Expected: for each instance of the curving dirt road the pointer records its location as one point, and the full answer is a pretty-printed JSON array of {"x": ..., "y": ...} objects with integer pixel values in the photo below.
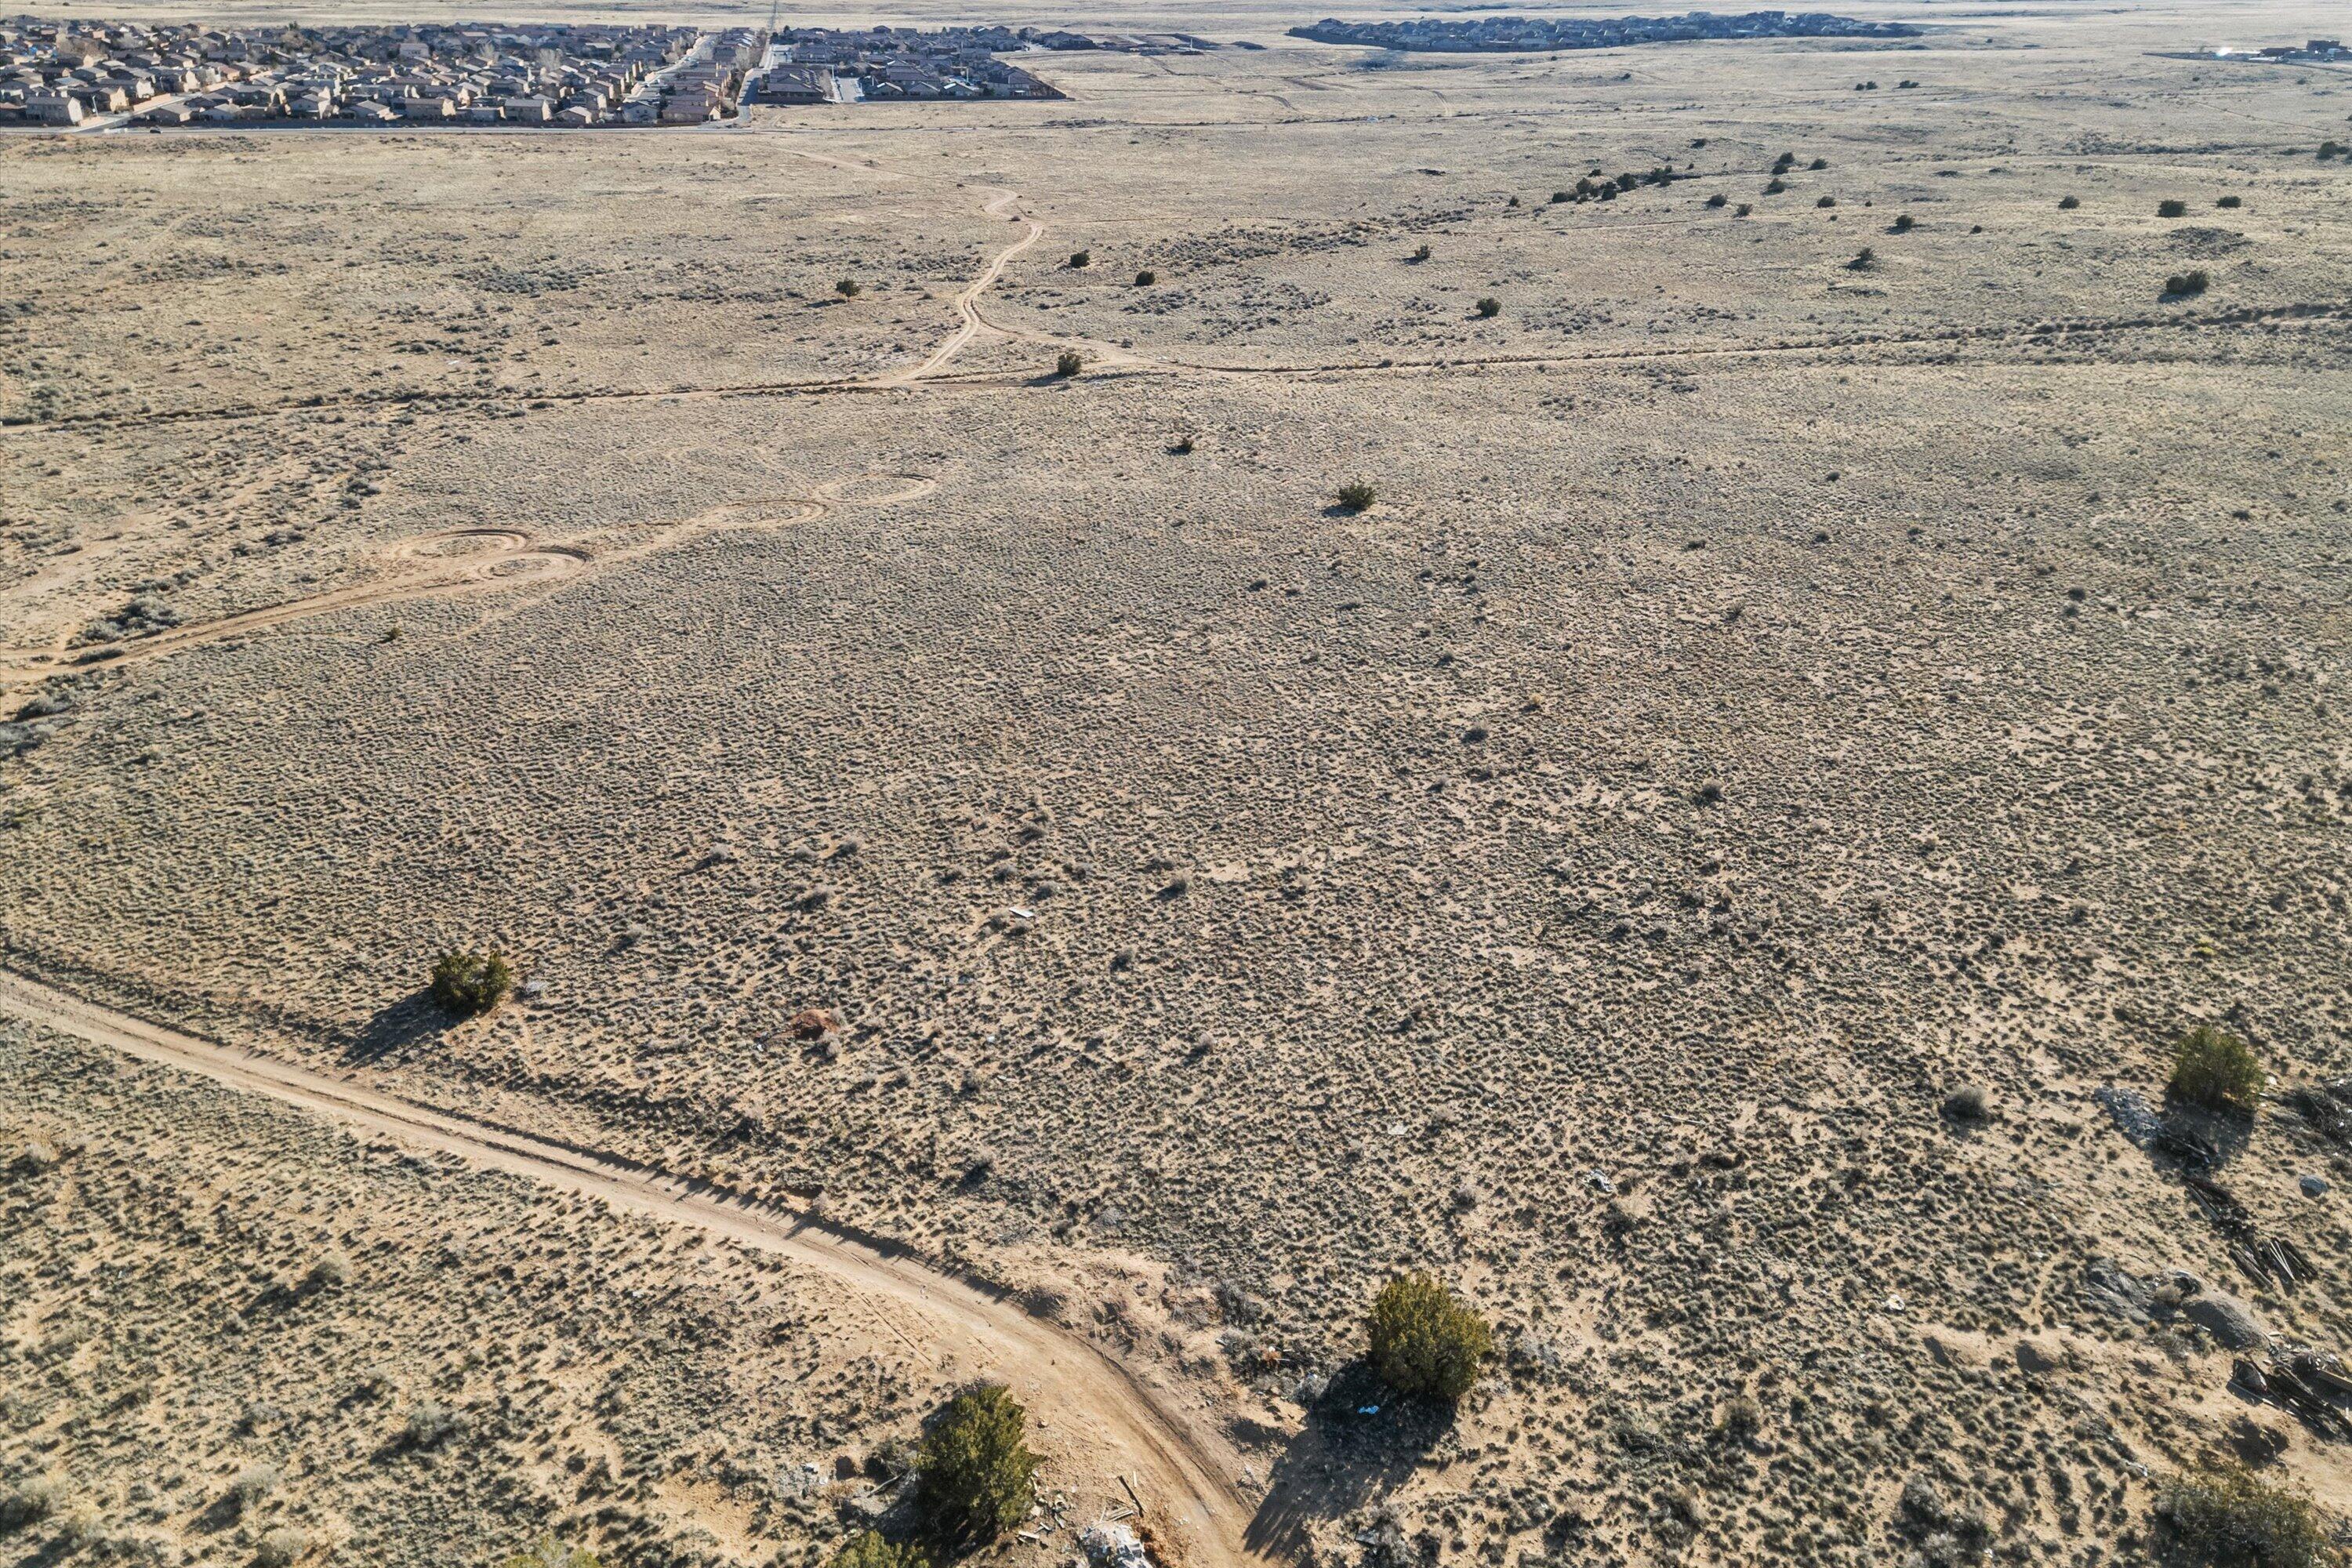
[
  {"x": 1096, "y": 1412},
  {"x": 967, "y": 302},
  {"x": 455, "y": 562},
  {"x": 464, "y": 559}
]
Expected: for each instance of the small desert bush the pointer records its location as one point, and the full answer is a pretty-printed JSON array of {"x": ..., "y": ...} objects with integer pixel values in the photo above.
[
  {"x": 2171, "y": 208},
  {"x": 978, "y": 1476},
  {"x": 2068, "y": 203},
  {"x": 1355, "y": 495},
  {"x": 467, "y": 982},
  {"x": 1490, "y": 307},
  {"x": 250, "y": 1485},
  {"x": 1740, "y": 1419},
  {"x": 1826, "y": 201},
  {"x": 1776, "y": 186},
  {"x": 848, "y": 289},
  {"x": 429, "y": 1425},
  {"x": 1905, "y": 224},
  {"x": 29, "y": 1502},
  {"x": 2231, "y": 202},
  {"x": 2212, "y": 1067},
  {"x": 331, "y": 1272},
  {"x": 2191, "y": 282},
  {"x": 1421, "y": 253},
  {"x": 281, "y": 1548},
  {"x": 550, "y": 1553},
  {"x": 1069, "y": 363},
  {"x": 2227, "y": 1517},
  {"x": 868, "y": 1550},
  {"x": 1715, "y": 200},
  {"x": 1864, "y": 260},
  {"x": 1146, "y": 279},
  {"x": 1082, "y": 258},
  {"x": 1966, "y": 1104},
  {"x": 1425, "y": 1342}
]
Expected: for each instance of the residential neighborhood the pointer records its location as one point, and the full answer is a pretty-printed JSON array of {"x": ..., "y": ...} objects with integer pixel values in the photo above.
[
  {"x": 891, "y": 65},
  {"x": 552, "y": 75},
  {"x": 101, "y": 75},
  {"x": 820, "y": 65}
]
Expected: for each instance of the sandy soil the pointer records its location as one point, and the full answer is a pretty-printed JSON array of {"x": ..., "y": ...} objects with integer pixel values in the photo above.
[{"x": 1765, "y": 695}]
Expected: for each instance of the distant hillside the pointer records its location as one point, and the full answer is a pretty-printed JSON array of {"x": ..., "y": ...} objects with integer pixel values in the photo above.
[{"x": 1515, "y": 33}]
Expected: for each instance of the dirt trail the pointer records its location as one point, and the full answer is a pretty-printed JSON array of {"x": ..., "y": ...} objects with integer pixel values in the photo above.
[
  {"x": 967, "y": 302},
  {"x": 1858, "y": 348},
  {"x": 1094, "y": 1413},
  {"x": 464, "y": 559},
  {"x": 455, "y": 561}
]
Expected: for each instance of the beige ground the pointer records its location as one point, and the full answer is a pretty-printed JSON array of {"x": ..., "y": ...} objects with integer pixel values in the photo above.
[{"x": 1765, "y": 695}]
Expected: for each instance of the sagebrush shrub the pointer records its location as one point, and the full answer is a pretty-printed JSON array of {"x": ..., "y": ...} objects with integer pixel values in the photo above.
[
  {"x": 1355, "y": 495},
  {"x": 31, "y": 1503},
  {"x": 281, "y": 1548},
  {"x": 2225, "y": 1516},
  {"x": 1966, "y": 1104},
  {"x": 429, "y": 1425}
]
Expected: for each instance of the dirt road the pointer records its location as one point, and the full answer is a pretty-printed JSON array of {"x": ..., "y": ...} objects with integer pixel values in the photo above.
[
  {"x": 1003, "y": 203},
  {"x": 458, "y": 560},
  {"x": 1097, "y": 1417},
  {"x": 462, "y": 559}
]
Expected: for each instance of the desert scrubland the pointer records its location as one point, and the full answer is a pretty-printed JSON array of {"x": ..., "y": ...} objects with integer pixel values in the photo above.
[{"x": 1714, "y": 860}]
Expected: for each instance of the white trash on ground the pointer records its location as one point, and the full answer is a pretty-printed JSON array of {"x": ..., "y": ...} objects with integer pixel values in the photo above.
[{"x": 1113, "y": 1546}]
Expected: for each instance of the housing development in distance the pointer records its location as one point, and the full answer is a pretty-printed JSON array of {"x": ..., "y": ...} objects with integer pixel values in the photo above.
[{"x": 556, "y": 75}]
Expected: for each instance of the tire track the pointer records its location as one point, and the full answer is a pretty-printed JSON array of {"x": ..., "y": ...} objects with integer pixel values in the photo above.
[
  {"x": 1101, "y": 1413},
  {"x": 466, "y": 559},
  {"x": 967, "y": 302},
  {"x": 503, "y": 559},
  {"x": 1992, "y": 336}
]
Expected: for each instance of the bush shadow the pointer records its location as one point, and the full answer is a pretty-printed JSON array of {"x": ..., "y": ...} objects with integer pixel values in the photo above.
[
  {"x": 397, "y": 1026},
  {"x": 1360, "y": 1440}
]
